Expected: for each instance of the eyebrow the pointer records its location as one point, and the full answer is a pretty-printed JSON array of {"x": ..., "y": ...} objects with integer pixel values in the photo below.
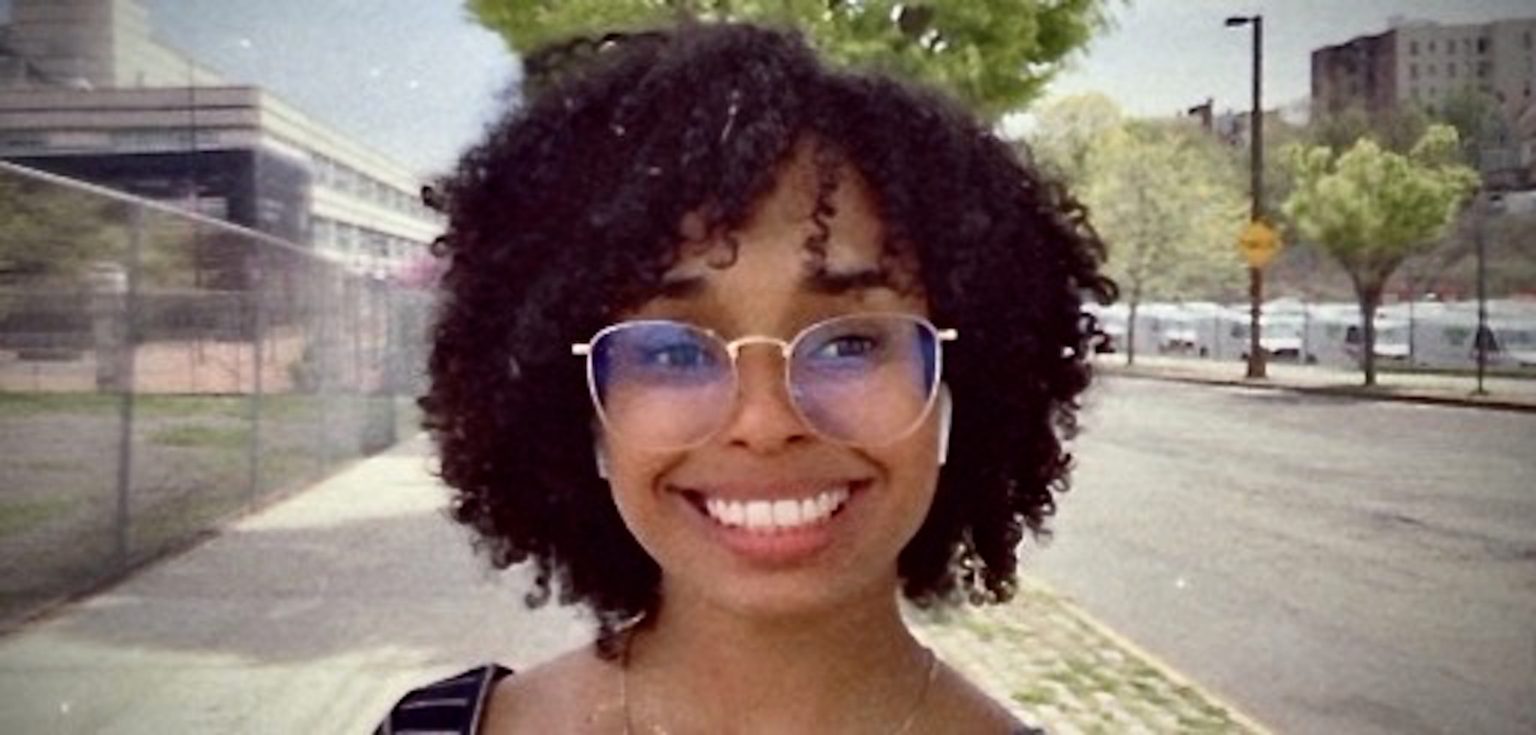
[
  {"x": 819, "y": 281},
  {"x": 829, "y": 283}
]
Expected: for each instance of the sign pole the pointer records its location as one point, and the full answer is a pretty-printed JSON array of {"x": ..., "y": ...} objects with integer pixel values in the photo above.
[
  {"x": 1256, "y": 366},
  {"x": 1256, "y": 141}
]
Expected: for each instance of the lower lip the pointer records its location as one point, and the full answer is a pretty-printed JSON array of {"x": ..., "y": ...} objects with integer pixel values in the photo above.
[{"x": 777, "y": 548}]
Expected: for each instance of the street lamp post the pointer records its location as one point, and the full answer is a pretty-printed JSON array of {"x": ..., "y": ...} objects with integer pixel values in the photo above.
[
  {"x": 1480, "y": 342},
  {"x": 1483, "y": 208},
  {"x": 1256, "y": 162}
]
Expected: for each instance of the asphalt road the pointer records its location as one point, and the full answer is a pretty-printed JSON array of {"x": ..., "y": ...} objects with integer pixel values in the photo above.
[{"x": 1329, "y": 565}]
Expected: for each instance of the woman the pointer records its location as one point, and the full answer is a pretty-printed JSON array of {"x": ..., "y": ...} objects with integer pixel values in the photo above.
[{"x": 734, "y": 347}]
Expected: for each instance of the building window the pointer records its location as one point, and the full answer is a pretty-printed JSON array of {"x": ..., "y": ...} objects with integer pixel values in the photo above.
[
  {"x": 1431, "y": 70},
  {"x": 1431, "y": 46},
  {"x": 1413, "y": 71},
  {"x": 22, "y": 140},
  {"x": 1450, "y": 70},
  {"x": 1413, "y": 48},
  {"x": 1482, "y": 45},
  {"x": 324, "y": 233}
]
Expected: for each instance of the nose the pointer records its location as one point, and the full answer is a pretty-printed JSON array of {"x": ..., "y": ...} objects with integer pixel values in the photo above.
[{"x": 764, "y": 420}]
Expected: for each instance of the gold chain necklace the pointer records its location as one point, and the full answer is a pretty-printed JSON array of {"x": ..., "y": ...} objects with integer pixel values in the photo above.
[{"x": 906, "y": 724}]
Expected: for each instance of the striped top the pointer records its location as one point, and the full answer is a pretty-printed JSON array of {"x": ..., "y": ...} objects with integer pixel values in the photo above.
[{"x": 454, "y": 706}]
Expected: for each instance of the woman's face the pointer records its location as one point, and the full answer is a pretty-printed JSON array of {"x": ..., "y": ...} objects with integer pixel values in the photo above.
[{"x": 677, "y": 502}]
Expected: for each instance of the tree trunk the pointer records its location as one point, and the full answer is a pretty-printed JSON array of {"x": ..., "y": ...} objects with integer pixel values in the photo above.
[
  {"x": 1131, "y": 332},
  {"x": 1369, "y": 297}
]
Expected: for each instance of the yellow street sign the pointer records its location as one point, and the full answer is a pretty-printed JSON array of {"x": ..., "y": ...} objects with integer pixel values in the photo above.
[{"x": 1259, "y": 244}]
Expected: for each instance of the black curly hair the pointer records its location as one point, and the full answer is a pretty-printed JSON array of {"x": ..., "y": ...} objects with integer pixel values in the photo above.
[{"x": 568, "y": 214}]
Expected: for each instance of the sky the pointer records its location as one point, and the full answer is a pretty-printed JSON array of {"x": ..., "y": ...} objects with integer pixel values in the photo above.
[
  {"x": 417, "y": 80},
  {"x": 1163, "y": 56}
]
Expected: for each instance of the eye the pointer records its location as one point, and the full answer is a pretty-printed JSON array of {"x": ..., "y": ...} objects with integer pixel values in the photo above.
[
  {"x": 680, "y": 355},
  {"x": 849, "y": 346}
]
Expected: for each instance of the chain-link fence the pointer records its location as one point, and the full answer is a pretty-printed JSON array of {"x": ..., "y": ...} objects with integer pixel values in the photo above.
[{"x": 160, "y": 372}]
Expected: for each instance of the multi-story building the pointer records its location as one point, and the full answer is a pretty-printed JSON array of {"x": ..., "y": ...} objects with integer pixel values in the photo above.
[
  {"x": 1426, "y": 64},
  {"x": 85, "y": 91}
]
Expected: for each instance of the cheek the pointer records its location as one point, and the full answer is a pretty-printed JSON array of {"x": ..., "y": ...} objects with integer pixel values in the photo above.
[
  {"x": 633, "y": 478},
  {"x": 913, "y": 465}
]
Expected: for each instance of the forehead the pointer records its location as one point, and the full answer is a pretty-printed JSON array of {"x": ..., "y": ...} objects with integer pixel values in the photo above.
[{"x": 819, "y": 215}]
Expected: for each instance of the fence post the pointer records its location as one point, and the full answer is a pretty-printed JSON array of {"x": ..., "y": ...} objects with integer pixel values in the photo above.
[
  {"x": 255, "y": 288},
  {"x": 322, "y": 321},
  {"x": 124, "y": 356}
]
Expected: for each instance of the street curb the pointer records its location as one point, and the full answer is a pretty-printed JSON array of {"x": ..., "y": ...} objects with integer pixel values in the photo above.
[
  {"x": 1335, "y": 390},
  {"x": 1163, "y": 668}
]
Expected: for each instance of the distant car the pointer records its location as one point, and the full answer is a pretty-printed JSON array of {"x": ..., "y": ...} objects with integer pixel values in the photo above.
[
  {"x": 1388, "y": 350},
  {"x": 1179, "y": 341}
]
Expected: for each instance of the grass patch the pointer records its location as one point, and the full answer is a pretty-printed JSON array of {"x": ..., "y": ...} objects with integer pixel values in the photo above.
[
  {"x": 179, "y": 406},
  {"x": 1035, "y": 696},
  {"x": 1494, "y": 371},
  {"x": 285, "y": 469},
  {"x": 174, "y": 521},
  {"x": 27, "y": 405},
  {"x": 20, "y": 404},
  {"x": 195, "y": 435},
  {"x": 986, "y": 633},
  {"x": 19, "y": 515},
  {"x": 291, "y": 406},
  {"x": 47, "y": 465}
]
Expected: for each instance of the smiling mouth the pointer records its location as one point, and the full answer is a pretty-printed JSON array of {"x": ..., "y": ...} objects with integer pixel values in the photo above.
[{"x": 773, "y": 516}]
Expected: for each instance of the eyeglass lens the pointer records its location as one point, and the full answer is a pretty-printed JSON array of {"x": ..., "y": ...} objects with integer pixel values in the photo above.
[{"x": 861, "y": 379}]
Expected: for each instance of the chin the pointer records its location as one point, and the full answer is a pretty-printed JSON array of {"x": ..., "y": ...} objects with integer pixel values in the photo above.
[{"x": 790, "y": 597}]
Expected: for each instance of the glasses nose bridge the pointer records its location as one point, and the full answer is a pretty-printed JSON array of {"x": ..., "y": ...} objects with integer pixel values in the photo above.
[
  {"x": 733, "y": 347},
  {"x": 772, "y": 375}
]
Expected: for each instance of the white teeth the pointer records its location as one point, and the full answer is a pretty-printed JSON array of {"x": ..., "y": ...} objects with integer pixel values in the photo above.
[
  {"x": 776, "y": 515},
  {"x": 759, "y": 515},
  {"x": 786, "y": 513},
  {"x": 735, "y": 513}
]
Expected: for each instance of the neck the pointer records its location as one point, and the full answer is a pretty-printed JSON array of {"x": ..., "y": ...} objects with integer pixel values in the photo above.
[{"x": 843, "y": 669}]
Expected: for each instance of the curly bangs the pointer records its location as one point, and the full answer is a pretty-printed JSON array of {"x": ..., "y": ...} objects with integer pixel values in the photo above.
[{"x": 569, "y": 213}]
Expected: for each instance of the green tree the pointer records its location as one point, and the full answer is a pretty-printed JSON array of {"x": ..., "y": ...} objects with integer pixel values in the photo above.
[
  {"x": 48, "y": 233},
  {"x": 996, "y": 55},
  {"x": 1167, "y": 199},
  {"x": 1069, "y": 129},
  {"x": 1396, "y": 129},
  {"x": 1371, "y": 208},
  {"x": 1479, "y": 121},
  {"x": 55, "y": 237}
]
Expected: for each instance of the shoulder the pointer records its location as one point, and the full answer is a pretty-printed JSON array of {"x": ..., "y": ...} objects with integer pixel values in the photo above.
[
  {"x": 451, "y": 705},
  {"x": 572, "y": 693}
]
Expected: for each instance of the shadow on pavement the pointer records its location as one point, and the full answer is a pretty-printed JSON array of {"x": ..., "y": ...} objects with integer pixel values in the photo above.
[{"x": 329, "y": 604}]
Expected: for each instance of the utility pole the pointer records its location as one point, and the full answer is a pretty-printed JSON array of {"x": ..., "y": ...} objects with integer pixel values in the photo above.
[
  {"x": 1483, "y": 341},
  {"x": 1256, "y": 162}
]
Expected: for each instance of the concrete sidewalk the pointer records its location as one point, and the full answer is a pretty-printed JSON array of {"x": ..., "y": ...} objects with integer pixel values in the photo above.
[
  {"x": 314, "y": 614},
  {"x": 1501, "y": 391}
]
